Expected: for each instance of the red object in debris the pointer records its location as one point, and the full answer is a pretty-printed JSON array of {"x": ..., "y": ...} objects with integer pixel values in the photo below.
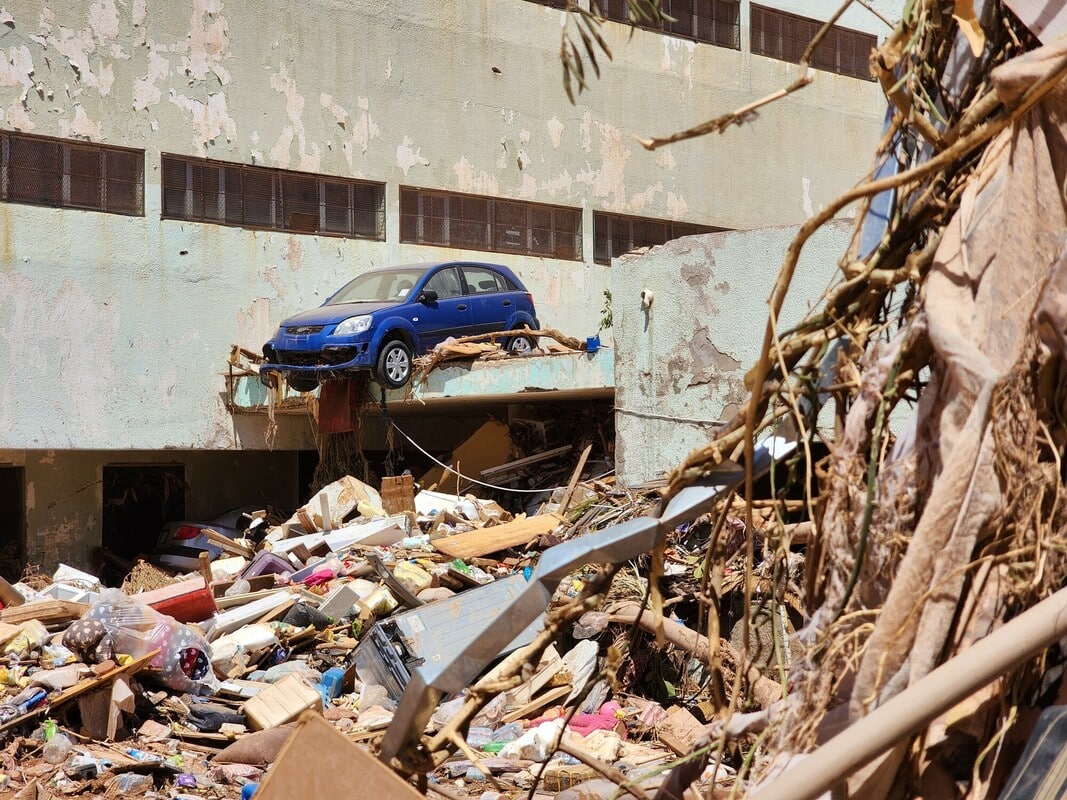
[
  {"x": 187, "y": 532},
  {"x": 188, "y": 601}
]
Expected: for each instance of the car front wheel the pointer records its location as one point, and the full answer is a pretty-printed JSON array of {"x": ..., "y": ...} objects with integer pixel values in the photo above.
[
  {"x": 302, "y": 384},
  {"x": 394, "y": 364}
]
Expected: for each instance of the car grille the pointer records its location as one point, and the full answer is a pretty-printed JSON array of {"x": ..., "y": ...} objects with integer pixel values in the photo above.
[
  {"x": 303, "y": 330},
  {"x": 327, "y": 358}
]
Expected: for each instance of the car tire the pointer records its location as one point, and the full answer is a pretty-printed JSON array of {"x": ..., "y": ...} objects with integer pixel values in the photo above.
[
  {"x": 394, "y": 364},
  {"x": 522, "y": 345},
  {"x": 302, "y": 384}
]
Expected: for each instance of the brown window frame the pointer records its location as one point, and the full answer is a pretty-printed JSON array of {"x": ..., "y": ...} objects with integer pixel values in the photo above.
[
  {"x": 608, "y": 226},
  {"x": 489, "y": 224},
  {"x": 714, "y": 22},
  {"x": 784, "y": 36},
  {"x": 71, "y": 173},
  {"x": 265, "y": 198},
  {"x": 560, "y": 4}
]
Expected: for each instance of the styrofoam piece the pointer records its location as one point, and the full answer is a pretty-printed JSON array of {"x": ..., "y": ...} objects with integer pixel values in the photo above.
[
  {"x": 430, "y": 503},
  {"x": 75, "y": 577},
  {"x": 230, "y": 620},
  {"x": 64, "y": 591},
  {"x": 339, "y": 602},
  {"x": 384, "y": 531},
  {"x": 309, "y": 540}
]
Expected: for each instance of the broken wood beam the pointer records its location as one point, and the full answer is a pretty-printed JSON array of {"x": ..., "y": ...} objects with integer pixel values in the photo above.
[
  {"x": 522, "y": 463},
  {"x": 566, "y": 501},
  {"x": 499, "y": 537}
]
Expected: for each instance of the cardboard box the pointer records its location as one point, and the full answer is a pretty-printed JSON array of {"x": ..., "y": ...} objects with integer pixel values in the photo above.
[{"x": 282, "y": 702}]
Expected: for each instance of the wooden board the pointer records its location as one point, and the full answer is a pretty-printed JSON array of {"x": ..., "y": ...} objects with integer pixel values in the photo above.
[
  {"x": 486, "y": 448},
  {"x": 49, "y": 612},
  {"x": 500, "y": 537},
  {"x": 318, "y": 761}
]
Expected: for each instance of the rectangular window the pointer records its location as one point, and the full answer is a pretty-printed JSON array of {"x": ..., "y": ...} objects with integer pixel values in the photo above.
[
  {"x": 551, "y": 3},
  {"x": 202, "y": 190},
  {"x": 67, "y": 173},
  {"x": 777, "y": 34},
  {"x": 473, "y": 222},
  {"x": 616, "y": 234},
  {"x": 715, "y": 22}
]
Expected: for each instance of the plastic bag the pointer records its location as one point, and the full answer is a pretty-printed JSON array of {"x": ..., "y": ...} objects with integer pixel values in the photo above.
[{"x": 183, "y": 661}]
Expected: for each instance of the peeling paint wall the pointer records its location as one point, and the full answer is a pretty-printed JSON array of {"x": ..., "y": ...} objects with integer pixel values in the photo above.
[
  {"x": 123, "y": 324},
  {"x": 64, "y": 492},
  {"x": 680, "y": 363}
]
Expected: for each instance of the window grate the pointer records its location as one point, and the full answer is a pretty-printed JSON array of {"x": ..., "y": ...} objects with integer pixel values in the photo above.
[
  {"x": 219, "y": 192},
  {"x": 65, "y": 173},
  {"x": 474, "y": 222},
  {"x": 716, "y": 22},
  {"x": 617, "y": 234},
  {"x": 784, "y": 36}
]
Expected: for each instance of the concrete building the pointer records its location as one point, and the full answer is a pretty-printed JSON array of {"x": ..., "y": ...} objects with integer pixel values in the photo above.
[{"x": 177, "y": 177}]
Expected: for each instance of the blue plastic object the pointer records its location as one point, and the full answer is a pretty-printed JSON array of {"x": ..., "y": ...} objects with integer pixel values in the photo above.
[
  {"x": 248, "y": 790},
  {"x": 330, "y": 685},
  {"x": 592, "y": 344}
]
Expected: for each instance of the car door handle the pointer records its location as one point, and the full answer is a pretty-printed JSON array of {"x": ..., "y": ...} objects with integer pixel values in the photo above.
[
  {"x": 507, "y": 303},
  {"x": 461, "y": 307}
]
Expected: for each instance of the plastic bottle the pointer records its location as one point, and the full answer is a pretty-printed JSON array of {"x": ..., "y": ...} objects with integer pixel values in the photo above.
[
  {"x": 132, "y": 783},
  {"x": 57, "y": 749}
]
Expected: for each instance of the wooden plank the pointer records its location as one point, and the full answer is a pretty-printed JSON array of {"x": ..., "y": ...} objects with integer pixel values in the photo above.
[
  {"x": 227, "y": 545},
  {"x": 522, "y": 712},
  {"x": 89, "y": 684},
  {"x": 318, "y": 761},
  {"x": 49, "y": 612},
  {"x": 522, "y": 463},
  {"x": 566, "y": 501},
  {"x": 500, "y": 537}
]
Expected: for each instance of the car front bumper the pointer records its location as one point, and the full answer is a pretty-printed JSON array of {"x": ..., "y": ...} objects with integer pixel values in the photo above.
[{"x": 329, "y": 362}]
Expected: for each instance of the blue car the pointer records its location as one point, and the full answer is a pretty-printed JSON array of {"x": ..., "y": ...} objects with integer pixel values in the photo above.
[{"x": 385, "y": 317}]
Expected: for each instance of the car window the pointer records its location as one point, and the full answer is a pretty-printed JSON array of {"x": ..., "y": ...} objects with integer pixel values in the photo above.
[
  {"x": 482, "y": 280},
  {"x": 383, "y": 285},
  {"x": 446, "y": 283}
]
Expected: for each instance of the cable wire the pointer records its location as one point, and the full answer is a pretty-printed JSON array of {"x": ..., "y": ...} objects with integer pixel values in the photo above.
[{"x": 467, "y": 477}]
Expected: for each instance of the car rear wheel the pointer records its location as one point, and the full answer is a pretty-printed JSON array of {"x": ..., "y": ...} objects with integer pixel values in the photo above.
[
  {"x": 302, "y": 384},
  {"x": 520, "y": 344},
  {"x": 394, "y": 364}
]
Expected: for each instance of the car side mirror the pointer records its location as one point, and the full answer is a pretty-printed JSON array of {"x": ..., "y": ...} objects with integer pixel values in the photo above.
[{"x": 428, "y": 296}]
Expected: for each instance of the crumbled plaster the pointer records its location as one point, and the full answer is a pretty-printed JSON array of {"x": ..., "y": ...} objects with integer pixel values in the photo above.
[
  {"x": 559, "y": 185},
  {"x": 677, "y": 207},
  {"x": 696, "y": 361},
  {"x": 474, "y": 181},
  {"x": 275, "y": 281},
  {"x": 255, "y": 326},
  {"x": 805, "y": 198},
  {"x": 208, "y": 44},
  {"x": 555, "y": 131},
  {"x": 608, "y": 180},
  {"x": 210, "y": 120},
  {"x": 104, "y": 20},
  {"x": 16, "y": 68},
  {"x": 665, "y": 159},
  {"x": 293, "y": 253},
  {"x": 586, "y": 131},
  {"x": 15, "y": 116},
  {"x": 641, "y": 200},
  {"x": 145, "y": 91},
  {"x": 407, "y": 157},
  {"x": 138, "y": 12},
  {"x": 6, "y": 18},
  {"x": 310, "y": 157},
  {"x": 81, "y": 125}
]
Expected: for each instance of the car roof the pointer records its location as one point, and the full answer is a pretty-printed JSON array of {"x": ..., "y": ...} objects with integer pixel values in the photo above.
[{"x": 428, "y": 265}]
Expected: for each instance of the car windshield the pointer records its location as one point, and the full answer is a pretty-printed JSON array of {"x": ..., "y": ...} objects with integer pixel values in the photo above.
[{"x": 387, "y": 286}]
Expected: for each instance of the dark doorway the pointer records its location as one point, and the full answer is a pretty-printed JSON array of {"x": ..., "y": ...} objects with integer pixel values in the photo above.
[
  {"x": 13, "y": 516},
  {"x": 139, "y": 499}
]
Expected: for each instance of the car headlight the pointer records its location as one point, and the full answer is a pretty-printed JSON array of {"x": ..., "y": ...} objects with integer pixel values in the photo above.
[{"x": 353, "y": 325}]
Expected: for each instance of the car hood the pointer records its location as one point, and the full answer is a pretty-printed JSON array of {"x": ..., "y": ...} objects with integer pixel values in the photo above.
[{"x": 324, "y": 315}]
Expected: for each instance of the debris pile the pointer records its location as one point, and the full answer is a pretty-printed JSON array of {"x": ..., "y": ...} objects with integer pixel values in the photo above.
[{"x": 190, "y": 685}]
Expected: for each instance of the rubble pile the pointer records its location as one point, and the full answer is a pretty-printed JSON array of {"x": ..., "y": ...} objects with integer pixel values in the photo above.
[{"x": 192, "y": 685}]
